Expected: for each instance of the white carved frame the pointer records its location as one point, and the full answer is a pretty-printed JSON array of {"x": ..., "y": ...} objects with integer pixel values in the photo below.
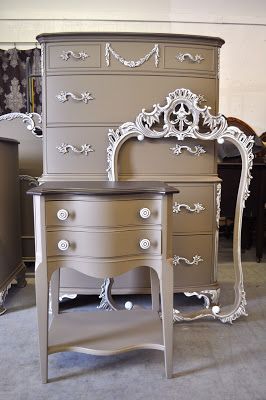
[{"x": 182, "y": 123}]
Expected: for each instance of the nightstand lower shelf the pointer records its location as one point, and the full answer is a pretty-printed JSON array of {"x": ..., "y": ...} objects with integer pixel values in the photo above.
[{"x": 105, "y": 333}]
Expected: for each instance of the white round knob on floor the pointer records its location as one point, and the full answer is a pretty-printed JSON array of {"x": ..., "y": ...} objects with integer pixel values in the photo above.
[
  {"x": 145, "y": 212},
  {"x": 62, "y": 214},
  {"x": 145, "y": 244},
  {"x": 63, "y": 245}
]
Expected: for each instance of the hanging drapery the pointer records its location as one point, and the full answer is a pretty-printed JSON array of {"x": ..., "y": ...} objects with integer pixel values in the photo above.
[{"x": 20, "y": 83}]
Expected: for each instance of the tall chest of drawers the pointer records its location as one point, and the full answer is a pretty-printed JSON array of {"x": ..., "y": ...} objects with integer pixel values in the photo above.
[{"x": 94, "y": 82}]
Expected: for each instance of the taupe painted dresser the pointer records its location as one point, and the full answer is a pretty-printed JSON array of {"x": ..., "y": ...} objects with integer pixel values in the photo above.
[
  {"x": 11, "y": 265},
  {"x": 93, "y": 82}
]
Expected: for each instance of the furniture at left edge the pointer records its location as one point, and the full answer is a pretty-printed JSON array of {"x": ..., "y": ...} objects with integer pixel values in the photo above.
[{"x": 11, "y": 264}]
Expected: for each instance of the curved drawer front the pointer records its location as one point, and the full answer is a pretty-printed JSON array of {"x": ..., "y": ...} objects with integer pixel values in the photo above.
[
  {"x": 73, "y": 55},
  {"x": 115, "y": 98},
  {"x": 167, "y": 157},
  {"x": 131, "y": 56},
  {"x": 103, "y": 213},
  {"x": 193, "y": 260},
  {"x": 103, "y": 244},
  {"x": 193, "y": 208},
  {"x": 190, "y": 59}
]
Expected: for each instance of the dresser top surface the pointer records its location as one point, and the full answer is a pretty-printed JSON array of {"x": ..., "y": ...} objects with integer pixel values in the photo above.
[
  {"x": 103, "y": 188},
  {"x": 131, "y": 36}
]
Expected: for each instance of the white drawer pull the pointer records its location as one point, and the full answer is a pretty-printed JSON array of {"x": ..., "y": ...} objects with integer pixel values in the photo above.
[
  {"x": 198, "y": 150},
  {"x": 145, "y": 244},
  {"x": 197, "y": 208},
  {"x": 84, "y": 97},
  {"x": 62, "y": 214},
  {"x": 145, "y": 212},
  {"x": 195, "y": 260},
  {"x": 79, "y": 56},
  {"x": 189, "y": 57},
  {"x": 63, "y": 245}
]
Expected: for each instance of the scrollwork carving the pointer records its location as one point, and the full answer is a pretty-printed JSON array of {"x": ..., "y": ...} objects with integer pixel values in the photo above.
[
  {"x": 195, "y": 260},
  {"x": 69, "y": 53},
  {"x": 181, "y": 57},
  {"x": 29, "y": 119},
  {"x": 197, "y": 208},
  {"x": 85, "y": 149},
  {"x": 198, "y": 150},
  {"x": 131, "y": 63},
  {"x": 64, "y": 96}
]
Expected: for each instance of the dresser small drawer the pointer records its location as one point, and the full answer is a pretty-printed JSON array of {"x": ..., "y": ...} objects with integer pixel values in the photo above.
[
  {"x": 200, "y": 60},
  {"x": 87, "y": 99},
  {"x": 193, "y": 208},
  {"x": 193, "y": 260},
  {"x": 72, "y": 150},
  {"x": 105, "y": 213},
  {"x": 117, "y": 243},
  {"x": 73, "y": 55}
]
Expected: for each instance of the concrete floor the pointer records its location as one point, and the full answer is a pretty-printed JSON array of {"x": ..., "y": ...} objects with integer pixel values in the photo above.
[{"x": 211, "y": 360}]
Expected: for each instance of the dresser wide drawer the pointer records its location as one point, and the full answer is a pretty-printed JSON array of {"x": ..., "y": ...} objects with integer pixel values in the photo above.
[
  {"x": 193, "y": 260},
  {"x": 103, "y": 213},
  {"x": 194, "y": 208},
  {"x": 84, "y": 99},
  {"x": 66, "y": 153},
  {"x": 117, "y": 243}
]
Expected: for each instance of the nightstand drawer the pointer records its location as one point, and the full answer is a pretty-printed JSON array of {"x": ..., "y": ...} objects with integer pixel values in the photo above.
[
  {"x": 190, "y": 59},
  {"x": 105, "y": 213},
  {"x": 193, "y": 260},
  {"x": 72, "y": 55},
  {"x": 103, "y": 243}
]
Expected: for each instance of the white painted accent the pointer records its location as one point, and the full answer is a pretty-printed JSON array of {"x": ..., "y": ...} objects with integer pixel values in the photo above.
[
  {"x": 145, "y": 244},
  {"x": 62, "y": 214},
  {"x": 63, "y": 245},
  {"x": 145, "y": 213}
]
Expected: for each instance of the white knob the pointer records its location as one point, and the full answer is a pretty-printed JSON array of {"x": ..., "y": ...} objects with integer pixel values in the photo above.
[
  {"x": 62, "y": 214},
  {"x": 145, "y": 244},
  {"x": 145, "y": 213},
  {"x": 63, "y": 245}
]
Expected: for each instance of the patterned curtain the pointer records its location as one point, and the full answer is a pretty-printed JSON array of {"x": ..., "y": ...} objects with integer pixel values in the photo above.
[{"x": 20, "y": 82}]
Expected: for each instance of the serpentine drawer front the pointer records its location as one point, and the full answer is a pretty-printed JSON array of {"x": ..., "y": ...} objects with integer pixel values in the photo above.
[{"x": 95, "y": 82}]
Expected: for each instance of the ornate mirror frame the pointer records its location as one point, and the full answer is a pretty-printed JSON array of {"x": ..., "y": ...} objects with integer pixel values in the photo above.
[{"x": 181, "y": 117}]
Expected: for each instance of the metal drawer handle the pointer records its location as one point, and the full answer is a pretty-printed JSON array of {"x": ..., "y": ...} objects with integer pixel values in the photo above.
[
  {"x": 64, "y": 96},
  {"x": 65, "y": 147},
  {"x": 195, "y": 260},
  {"x": 69, "y": 53},
  {"x": 198, "y": 150},
  {"x": 145, "y": 244},
  {"x": 145, "y": 213},
  {"x": 197, "y": 208},
  {"x": 63, "y": 245},
  {"x": 62, "y": 214},
  {"x": 189, "y": 57}
]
